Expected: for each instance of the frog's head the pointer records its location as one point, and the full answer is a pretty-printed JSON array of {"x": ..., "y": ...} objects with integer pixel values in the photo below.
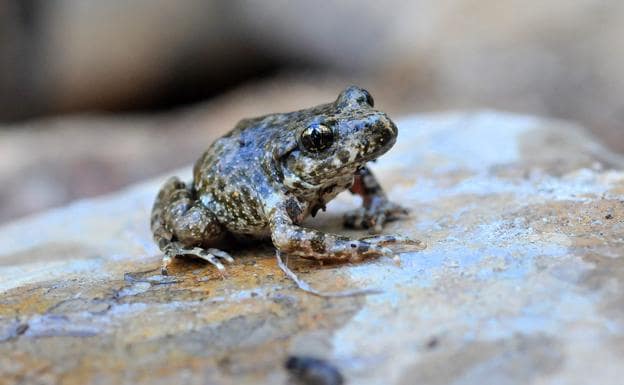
[{"x": 332, "y": 140}]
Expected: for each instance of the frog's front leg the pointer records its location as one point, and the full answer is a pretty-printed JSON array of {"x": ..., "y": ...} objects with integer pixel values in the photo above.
[
  {"x": 293, "y": 239},
  {"x": 181, "y": 225},
  {"x": 376, "y": 209}
]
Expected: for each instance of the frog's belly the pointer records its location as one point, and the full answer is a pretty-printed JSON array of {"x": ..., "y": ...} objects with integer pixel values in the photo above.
[
  {"x": 249, "y": 230},
  {"x": 237, "y": 215}
]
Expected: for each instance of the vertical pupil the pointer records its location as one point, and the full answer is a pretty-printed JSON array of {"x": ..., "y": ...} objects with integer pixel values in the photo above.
[{"x": 316, "y": 137}]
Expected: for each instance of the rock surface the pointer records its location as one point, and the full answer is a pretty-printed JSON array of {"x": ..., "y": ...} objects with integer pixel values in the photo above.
[{"x": 522, "y": 280}]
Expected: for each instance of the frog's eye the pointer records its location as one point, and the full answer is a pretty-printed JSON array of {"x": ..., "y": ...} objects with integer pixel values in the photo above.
[
  {"x": 317, "y": 137},
  {"x": 353, "y": 97}
]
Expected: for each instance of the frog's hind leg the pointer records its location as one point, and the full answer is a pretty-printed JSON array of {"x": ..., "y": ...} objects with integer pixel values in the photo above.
[{"x": 181, "y": 224}]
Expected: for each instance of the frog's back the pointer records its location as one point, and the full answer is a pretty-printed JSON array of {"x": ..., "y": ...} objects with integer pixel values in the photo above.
[{"x": 229, "y": 178}]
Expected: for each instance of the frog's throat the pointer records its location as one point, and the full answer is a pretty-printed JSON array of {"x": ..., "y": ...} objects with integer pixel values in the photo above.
[{"x": 293, "y": 182}]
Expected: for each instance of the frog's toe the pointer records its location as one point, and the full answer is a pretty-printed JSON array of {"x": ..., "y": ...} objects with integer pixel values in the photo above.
[
  {"x": 213, "y": 260},
  {"x": 384, "y": 214},
  {"x": 377, "y": 221},
  {"x": 374, "y": 218},
  {"x": 361, "y": 218},
  {"x": 164, "y": 267},
  {"x": 221, "y": 254},
  {"x": 384, "y": 240},
  {"x": 399, "y": 243},
  {"x": 392, "y": 211},
  {"x": 212, "y": 256},
  {"x": 386, "y": 252},
  {"x": 354, "y": 219}
]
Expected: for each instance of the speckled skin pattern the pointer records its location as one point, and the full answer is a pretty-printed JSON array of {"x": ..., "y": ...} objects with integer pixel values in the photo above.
[{"x": 268, "y": 174}]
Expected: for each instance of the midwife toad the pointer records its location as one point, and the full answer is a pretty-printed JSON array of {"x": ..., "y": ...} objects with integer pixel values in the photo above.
[{"x": 269, "y": 173}]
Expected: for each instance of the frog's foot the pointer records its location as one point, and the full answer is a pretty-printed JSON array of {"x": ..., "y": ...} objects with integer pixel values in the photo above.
[
  {"x": 404, "y": 243},
  {"x": 210, "y": 255},
  {"x": 373, "y": 218}
]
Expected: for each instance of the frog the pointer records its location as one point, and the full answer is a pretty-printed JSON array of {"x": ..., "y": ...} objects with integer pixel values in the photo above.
[{"x": 269, "y": 173}]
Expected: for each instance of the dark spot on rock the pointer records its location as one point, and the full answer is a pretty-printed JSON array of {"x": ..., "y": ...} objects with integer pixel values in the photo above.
[
  {"x": 608, "y": 216},
  {"x": 313, "y": 371},
  {"x": 433, "y": 343},
  {"x": 21, "y": 329}
]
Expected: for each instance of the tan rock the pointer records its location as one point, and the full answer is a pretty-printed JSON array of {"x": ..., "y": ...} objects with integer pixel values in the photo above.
[{"x": 520, "y": 283}]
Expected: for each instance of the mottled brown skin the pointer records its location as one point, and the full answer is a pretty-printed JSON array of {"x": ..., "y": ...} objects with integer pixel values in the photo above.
[{"x": 269, "y": 173}]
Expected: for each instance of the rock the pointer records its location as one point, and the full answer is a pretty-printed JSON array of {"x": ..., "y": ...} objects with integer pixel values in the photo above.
[{"x": 520, "y": 283}]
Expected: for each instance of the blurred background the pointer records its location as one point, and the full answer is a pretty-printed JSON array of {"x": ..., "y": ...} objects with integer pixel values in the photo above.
[{"x": 95, "y": 95}]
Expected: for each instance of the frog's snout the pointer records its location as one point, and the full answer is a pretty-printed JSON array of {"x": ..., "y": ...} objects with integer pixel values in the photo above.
[
  {"x": 377, "y": 138},
  {"x": 392, "y": 130},
  {"x": 384, "y": 134}
]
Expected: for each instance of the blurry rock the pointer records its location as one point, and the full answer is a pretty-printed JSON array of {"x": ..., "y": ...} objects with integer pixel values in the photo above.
[
  {"x": 73, "y": 55},
  {"x": 519, "y": 283},
  {"x": 559, "y": 58}
]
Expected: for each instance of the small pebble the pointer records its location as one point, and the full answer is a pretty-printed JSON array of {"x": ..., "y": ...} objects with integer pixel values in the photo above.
[
  {"x": 433, "y": 342},
  {"x": 313, "y": 371}
]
